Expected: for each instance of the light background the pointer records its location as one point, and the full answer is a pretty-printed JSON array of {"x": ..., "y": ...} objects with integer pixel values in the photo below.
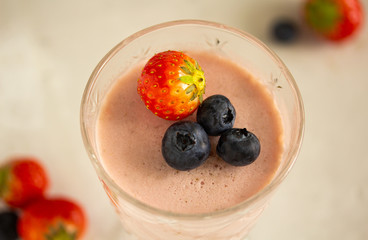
[{"x": 49, "y": 48}]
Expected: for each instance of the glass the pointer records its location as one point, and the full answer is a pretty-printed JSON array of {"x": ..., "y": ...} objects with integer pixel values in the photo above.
[{"x": 142, "y": 221}]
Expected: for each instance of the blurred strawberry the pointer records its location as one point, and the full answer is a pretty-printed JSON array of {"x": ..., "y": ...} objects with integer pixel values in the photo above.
[
  {"x": 52, "y": 219},
  {"x": 334, "y": 19},
  {"x": 22, "y": 180}
]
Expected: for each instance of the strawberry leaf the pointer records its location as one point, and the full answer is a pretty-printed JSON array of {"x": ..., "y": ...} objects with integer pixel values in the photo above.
[
  {"x": 4, "y": 177},
  {"x": 322, "y": 14},
  {"x": 193, "y": 96},
  {"x": 186, "y": 70},
  {"x": 189, "y": 66},
  {"x": 186, "y": 79},
  {"x": 60, "y": 233},
  {"x": 190, "y": 89},
  {"x": 200, "y": 98},
  {"x": 197, "y": 66}
]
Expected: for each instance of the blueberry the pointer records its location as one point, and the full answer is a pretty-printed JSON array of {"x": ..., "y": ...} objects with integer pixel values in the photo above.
[
  {"x": 216, "y": 114},
  {"x": 285, "y": 31},
  {"x": 238, "y": 147},
  {"x": 8, "y": 225},
  {"x": 185, "y": 145}
]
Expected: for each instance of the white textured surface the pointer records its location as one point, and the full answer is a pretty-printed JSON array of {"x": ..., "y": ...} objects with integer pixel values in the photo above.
[{"x": 49, "y": 48}]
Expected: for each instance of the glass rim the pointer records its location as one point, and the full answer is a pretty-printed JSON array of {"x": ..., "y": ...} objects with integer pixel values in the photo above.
[{"x": 270, "y": 187}]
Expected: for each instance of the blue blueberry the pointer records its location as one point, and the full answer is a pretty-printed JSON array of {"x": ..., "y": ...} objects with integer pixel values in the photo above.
[
  {"x": 185, "y": 145},
  {"x": 8, "y": 225},
  {"x": 238, "y": 147},
  {"x": 216, "y": 114},
  {"x": 285, "y": 31}
]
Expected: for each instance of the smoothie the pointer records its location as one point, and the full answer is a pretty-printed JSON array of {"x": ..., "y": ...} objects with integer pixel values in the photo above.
[{"x": 129, "y": 143}]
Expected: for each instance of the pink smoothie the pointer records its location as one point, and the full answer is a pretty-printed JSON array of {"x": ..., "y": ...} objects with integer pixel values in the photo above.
[{"x": 129, "y": 143}]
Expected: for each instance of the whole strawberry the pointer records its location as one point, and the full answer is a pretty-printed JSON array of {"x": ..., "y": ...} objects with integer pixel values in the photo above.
[
  {"x": 171, "y": 85},
  {"x": 334, "y": 20},
  {"x": 52, "y": 219},
  {"x": 22, "y": 180}
]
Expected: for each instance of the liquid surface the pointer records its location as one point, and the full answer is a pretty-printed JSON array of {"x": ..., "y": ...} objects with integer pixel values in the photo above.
[{"x": 129, "y": 142}]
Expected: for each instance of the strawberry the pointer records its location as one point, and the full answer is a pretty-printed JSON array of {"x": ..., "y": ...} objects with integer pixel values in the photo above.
[
  {"x": 334, "y": 20},
  {"x": 22, "y": 180},
  {"x": 52, "y": 219},
  {"x": 171, "y": 85}
]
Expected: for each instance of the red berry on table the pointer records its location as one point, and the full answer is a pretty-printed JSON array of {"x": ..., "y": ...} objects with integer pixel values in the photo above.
[
  {"x": 52, "y": 219},
  {"x": 22, "y": 180},
  {"x": 171, "y": 85},
  {"x": 334, "y": 20}
]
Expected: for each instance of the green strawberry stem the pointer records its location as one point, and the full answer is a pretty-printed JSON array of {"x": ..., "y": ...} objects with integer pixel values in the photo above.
[
  {"x": 60, "y": 233},
  {"x": 194, "y": 77},
  {"x": 4, "y": 178},
  {"x": 323, "y": 15}
]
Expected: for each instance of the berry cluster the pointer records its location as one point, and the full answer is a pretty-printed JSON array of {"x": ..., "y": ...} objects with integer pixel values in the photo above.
[
  {"x": 30, "y": 214},
  {"x": 186, "y": 144},
  {"x": 332, "y": 20},
  {"x": 171, "y": 86}
]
